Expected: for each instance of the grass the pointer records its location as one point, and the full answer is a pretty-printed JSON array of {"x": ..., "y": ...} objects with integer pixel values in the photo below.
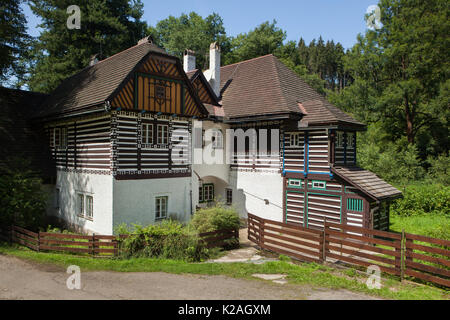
[
  {"x": 305, "y": 274},
  {"x": 431, "y": 225}
]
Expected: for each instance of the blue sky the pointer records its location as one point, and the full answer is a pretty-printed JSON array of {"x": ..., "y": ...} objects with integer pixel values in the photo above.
[{"x": 338, "y": 20}]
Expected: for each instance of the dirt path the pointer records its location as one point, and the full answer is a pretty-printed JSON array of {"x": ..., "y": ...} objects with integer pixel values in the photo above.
[{"x": 24, "y": 280}]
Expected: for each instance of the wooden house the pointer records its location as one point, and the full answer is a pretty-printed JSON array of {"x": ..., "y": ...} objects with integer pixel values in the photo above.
[{"x": 128, "y": 137}]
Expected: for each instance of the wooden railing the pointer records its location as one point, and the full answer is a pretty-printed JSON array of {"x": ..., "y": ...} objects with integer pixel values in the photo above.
[
  {"x": 400, "y": 254},
  {"x": 97, "y": 245}
]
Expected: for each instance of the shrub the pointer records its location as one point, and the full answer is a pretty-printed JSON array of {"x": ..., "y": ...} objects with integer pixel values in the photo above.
[
  {"x": 215, "y": 218},
  {"x": 439, "y": 170},
  {"x": 423, "y": 199},
  {"x": 22, "y": 201},
  {"x": 167, "y": 240}
]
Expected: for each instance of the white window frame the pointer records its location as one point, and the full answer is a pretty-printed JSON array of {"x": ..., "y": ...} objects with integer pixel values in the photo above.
[
  {"x": 163, "y": 135},
  {"x": 208, "y": 190},
  {"x": 147, "y": 134},
  {"x": 217, "y": 139},
  {"x": 319, "y": 184},
  {"x": 295, "y": 140},
  {"x": 295, "y": 183},
  {"x": 159, "y": 200},
  {"x": 85, "y": 207}
]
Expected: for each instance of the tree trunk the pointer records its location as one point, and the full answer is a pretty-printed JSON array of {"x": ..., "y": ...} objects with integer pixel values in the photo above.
[{"x": 409, "y": 122}]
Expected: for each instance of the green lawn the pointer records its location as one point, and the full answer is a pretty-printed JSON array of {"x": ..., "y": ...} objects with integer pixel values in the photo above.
[
  {"x": 305, "y": 273},
  {"x": 431, "y": 225}
]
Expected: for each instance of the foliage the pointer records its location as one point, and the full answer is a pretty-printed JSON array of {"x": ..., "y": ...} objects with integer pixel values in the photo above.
[
  {"x": 167, "y": 240},
  {"x": 264, "y": 39},
  {"x": 107, "y": 27},
  {"x": 193, "y": 32},
  {"x": 22, "y": 201},
  {"x": 430, "y": 225},
  {"x": 394, "y": 162},
  {"x": 215, "y": 218},
  {"x": 423, "y": 199},
  {"x": 439, "y": 170},
  {"x": 13, "y": 40}
]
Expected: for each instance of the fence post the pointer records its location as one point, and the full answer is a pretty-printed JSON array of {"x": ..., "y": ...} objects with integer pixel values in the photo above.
[
  {"x": 12, "y": 235},
  {"x": 39, "y": 241},
  {"x": 324, "y": 244},
  {"x": 402, "y": 255},
  {"x": 93, "y": 244},
  {"x": 261, "y": 233}
]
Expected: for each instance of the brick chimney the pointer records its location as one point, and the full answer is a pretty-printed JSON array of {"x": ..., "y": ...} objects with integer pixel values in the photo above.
[{"x": 188, "y": 60}]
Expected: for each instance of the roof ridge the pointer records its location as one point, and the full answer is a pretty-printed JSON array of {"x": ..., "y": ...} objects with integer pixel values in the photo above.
[{"x": 236, "y": 63}]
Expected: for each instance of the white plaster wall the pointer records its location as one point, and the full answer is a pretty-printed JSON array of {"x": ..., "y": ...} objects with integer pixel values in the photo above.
[
  {"x": 97, "y": 185},
  {"x": 251, "y": 188},
  {"x": 134, "y": 200},
  {"x": 204, "y": 167}
]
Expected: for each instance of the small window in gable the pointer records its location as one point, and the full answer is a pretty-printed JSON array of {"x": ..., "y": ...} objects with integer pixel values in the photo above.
[
  {"x": 318, "y": 184},
  {"x": 160, "y": 92}
]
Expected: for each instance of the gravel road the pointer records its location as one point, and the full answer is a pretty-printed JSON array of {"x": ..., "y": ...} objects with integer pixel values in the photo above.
[{"x": 21, "y": 279}]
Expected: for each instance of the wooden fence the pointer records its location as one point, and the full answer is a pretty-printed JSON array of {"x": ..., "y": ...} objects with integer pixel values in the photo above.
[
  {"x": 400, "y": 254},
  {"x": 95, "y": 245}
]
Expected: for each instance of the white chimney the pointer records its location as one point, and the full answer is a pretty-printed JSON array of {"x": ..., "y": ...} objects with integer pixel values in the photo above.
[
  {"x": 214, "y": 67},
  {"x": 188, "y": 60}
]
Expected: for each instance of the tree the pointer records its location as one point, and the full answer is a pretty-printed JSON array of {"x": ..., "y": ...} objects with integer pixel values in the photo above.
[
  {"x": 107, "y": 27},
  {"x": 13, "y": 41},
  {"x": 191, "y": 32},
  {"x": 263, "y": 40}
]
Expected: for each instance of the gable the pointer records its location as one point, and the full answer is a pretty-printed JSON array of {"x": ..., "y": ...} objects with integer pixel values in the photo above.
[
  {"x": 203, "y": 89},
  {"x": 158, "y": 85}
]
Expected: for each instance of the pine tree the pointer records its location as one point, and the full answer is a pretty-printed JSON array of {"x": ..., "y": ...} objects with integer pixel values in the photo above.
[{"x": 107, "y": 27}]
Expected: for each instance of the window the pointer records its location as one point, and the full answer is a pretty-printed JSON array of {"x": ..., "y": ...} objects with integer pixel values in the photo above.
[
  {"x": 296, "y": 139},
  {"x": 295, "y": 183},
  {"x": 208, "y": 192},
  {"x": 161, "y": 207},
  {"x": 163, "y": 137},
  {"x": 85, "y": 206},
  {"x": 354, "y": 204},
  {"x": 147, "y": 134},
  {"x": 160, "y": 92},
  {"x": 350, "y": 140},
  {"x": 59, "y": 138},
  {"x": 80, "y": 206},
  {"x": 217, "y": 139},
  {"x": 200, "y": 194},
  {"x": 57, "y": 192},
  {"x": 340, "y": 139},
  {"x": 321, "y": 185},
  {"x": 89, "y": 207},
  {"x": 229, "y": 196}
]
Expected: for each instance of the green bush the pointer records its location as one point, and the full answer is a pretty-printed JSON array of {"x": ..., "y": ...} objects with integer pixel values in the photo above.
[
  {"x": 22, "y": 201},
  {"x": 167, "y": 240},
  {"x": 422, "y": 200},
  {"x": 215, "y": 218},
  {"x": 439, "y": 170}
]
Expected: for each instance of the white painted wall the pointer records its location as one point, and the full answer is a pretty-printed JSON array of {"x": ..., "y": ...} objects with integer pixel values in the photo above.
[
  {"x": 98, "y": 186},
  {"x": 251, "y": 188},
  {"x": 134, "y": 200}
]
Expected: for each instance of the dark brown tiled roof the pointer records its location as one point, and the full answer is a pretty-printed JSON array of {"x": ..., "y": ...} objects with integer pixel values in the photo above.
[
  {"x": 18, "y": 136},
  {"x": 264, "y": 85},
  {"x": 367, "y": 182},
  {"x": 94, "y": 84}
]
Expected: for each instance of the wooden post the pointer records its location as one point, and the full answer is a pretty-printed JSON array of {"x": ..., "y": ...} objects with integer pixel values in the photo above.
[
  {"x": 93, "y": 244},
  {"x": 324, "y": 248},
  {"x": 402, "y": 255},
  {"x": 261, "y": 233},
  {"x": 39, "y": 241}
]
